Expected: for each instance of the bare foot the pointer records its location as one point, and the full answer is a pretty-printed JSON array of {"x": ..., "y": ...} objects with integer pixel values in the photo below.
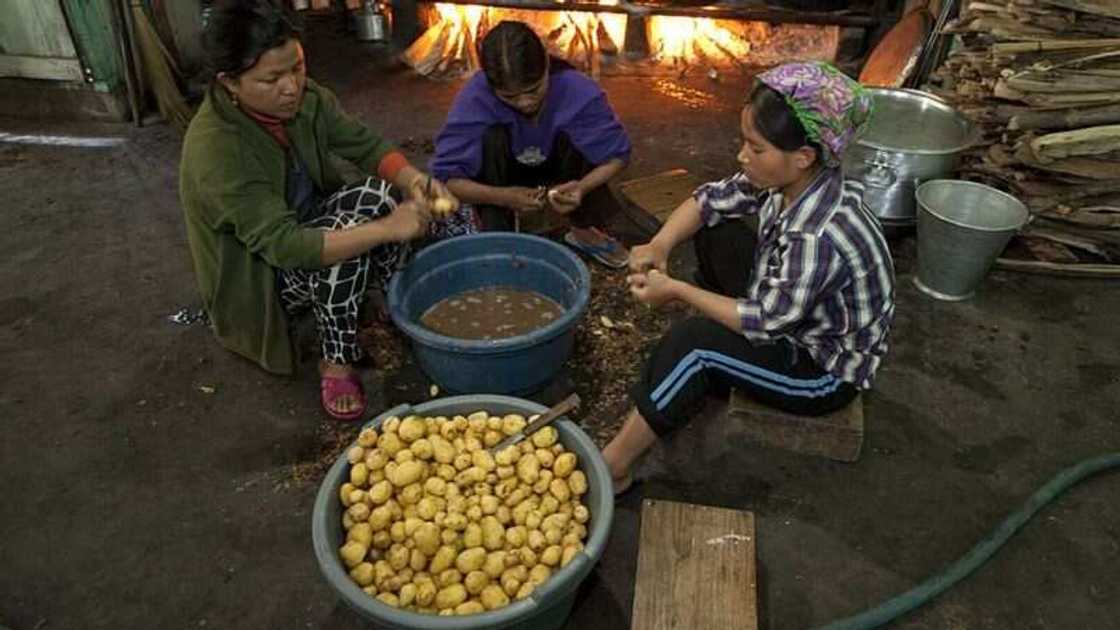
[{"x": 634, "y": 438}]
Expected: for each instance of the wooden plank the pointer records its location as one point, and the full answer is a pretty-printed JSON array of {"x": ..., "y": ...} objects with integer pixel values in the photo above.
[
  {"x": 49, "y": 68},
  {"x": 660, "y": 194},
  {"x": 696, "y": 569},
  {"x": 97, "y": 41},
  {"x": 36, "y": 28},
  {"x": 838, "y": 435}
]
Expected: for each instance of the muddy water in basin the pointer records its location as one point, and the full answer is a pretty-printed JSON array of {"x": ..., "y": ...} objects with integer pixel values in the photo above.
[{"x": 491, "y": 313}]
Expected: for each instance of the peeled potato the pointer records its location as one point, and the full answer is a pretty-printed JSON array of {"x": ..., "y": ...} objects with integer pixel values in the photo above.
[
  {"x": 493, "y": 597},
  {"x": 475, "y": 581},
  {"x": 442, "y": 206},
  {"x": 545, "y": 437},
  {"x": 451, "y": 596},
  {"x": 427, "y": 538},
  {"x": 359, "y": 474},
  {"x": 353, "y": 553},
  {"x": 407, "y": 594},
  {"x": 407, "y": 473},
  {"x": 367, "y": 438},
  {"x": 564, "y": 465},
  {"x": 471, "y": 559},
  {"x": 577, "y": 481},
  {"x": 469, "y": 608},
  {"x": 412, "y": 428}
]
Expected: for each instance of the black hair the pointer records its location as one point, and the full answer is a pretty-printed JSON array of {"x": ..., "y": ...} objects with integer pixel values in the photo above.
[
  {"x": 240, "y": 31},
  {"x": 514, "y": 58},
  {"x": 775, "y": 120}
]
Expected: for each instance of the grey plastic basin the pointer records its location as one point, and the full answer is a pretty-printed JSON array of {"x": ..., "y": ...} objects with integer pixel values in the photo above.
[{"x": 549, "y": 605}]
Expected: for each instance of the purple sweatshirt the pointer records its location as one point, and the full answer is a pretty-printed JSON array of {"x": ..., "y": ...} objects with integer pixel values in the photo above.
[{"x": 574, "y": 105}]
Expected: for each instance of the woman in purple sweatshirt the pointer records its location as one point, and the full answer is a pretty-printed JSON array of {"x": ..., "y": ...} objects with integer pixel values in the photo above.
[{"x": 528, "y": 133}]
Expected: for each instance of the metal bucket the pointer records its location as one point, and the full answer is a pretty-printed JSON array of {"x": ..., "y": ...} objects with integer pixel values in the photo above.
[
  {"x": 372, "y": 24},
  {"x": 912, "y": 137},
  {"x": 962, "y": 228}
]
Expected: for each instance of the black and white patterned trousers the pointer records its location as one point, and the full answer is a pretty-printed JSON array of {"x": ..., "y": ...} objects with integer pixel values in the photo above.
[{"x": 335, "y": 294}]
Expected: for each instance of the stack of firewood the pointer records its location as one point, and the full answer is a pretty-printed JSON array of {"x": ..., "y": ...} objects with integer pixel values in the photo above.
[{"x": 1041, "y": 78}]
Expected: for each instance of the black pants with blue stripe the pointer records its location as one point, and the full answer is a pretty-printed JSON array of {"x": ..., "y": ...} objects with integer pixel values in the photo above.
[{"x": 700, "y": 356}]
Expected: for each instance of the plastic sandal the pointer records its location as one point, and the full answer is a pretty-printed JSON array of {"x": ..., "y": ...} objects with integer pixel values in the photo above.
[
  {"x": 611, "y": 253},
  {"x": 331, "y": 388}
]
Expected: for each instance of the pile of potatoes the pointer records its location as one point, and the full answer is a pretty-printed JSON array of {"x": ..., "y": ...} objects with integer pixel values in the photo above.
[{"x": 437, "y": 524}]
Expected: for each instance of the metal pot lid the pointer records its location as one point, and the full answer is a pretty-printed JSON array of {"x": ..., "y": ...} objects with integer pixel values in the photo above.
[{"x": 911, "y": 121}]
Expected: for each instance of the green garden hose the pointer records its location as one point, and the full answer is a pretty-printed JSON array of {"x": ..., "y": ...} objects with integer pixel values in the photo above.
[{"x": 978, "y": 555}]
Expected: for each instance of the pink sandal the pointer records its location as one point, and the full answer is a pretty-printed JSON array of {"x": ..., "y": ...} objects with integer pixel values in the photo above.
[{"x": 331, "y": 388}]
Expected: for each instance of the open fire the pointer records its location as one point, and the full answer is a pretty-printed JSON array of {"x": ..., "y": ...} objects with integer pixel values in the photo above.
[{"x": 589, "y": 40}]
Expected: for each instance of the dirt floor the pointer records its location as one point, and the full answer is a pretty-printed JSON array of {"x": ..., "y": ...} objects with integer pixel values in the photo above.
[{"x": 152, "y": 480}]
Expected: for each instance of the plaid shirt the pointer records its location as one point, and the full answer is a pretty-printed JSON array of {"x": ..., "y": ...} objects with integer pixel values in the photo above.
[{"x": 823, "y": 276}]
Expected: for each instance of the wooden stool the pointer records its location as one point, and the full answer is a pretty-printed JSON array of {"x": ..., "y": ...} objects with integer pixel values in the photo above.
[
  {"x": 657, "y": 196},
  {"x": 696, "y": 569},
  {"x": 838, "y": 435}
]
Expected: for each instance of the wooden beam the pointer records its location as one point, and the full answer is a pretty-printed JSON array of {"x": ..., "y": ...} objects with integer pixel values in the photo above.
[
  {"x": 752, "y": 13},
  {"x": 49, "y": 68}
]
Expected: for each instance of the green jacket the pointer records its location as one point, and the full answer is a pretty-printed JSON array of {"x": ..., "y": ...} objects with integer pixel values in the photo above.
[{"x": 239, "y": 226}]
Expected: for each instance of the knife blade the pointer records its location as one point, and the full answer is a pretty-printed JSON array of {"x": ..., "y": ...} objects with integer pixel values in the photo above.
[{"x": 545, "y": 419}]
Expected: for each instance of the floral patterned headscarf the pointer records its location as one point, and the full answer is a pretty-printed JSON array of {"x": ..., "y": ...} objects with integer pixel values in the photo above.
[{"x": 832, "y": 108}]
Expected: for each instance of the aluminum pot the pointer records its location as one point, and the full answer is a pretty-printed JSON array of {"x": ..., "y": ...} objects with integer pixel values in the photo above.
[
  {"x": 372, "y": 23},
  {"x": 913, "y": 137}
]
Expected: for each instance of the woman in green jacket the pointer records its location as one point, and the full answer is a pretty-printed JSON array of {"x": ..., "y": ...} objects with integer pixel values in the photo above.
[{"x": 272, "y": 229}]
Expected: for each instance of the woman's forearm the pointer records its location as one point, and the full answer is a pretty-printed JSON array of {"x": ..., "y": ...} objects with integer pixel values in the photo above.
[
  {"x": 406, "y": 177},
  {"x": 340, "y": 245},
  {"x": 469, "y": 191},
  {"x": 681, "y": 225},
  {"x": 601, "y": 175},
  {"x": 721, "y": 308}
]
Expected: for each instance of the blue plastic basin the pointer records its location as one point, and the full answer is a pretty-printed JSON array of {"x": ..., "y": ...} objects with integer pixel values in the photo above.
[{"x": 515, "y": 365}]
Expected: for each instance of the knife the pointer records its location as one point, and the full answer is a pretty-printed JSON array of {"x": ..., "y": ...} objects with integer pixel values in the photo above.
[{"x": 561, "y": 408}]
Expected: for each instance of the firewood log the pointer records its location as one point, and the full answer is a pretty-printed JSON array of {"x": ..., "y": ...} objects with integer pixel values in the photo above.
[
  {"x": 1061, "y": 82},
  {"x": 1065, "y": 119},
  {"x": 1100, "y": 214},
  {"x": 426, "y": 52},
  {"x": 1055, "y": 44},
  {"x": 1078, "y": 270},
  {"x": 1078, "y": 142},
  {"x": 1087, "y": 168},
  {"x": 1040, "y": 100},
  {"x": 1109, "y": 8}
]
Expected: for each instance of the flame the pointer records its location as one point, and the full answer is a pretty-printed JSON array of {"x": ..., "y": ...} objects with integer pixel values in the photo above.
[
  {"x": 676, "y": 39},
  {"x": 564, "y": 32},
  {"x": 582, "y": 38}
]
